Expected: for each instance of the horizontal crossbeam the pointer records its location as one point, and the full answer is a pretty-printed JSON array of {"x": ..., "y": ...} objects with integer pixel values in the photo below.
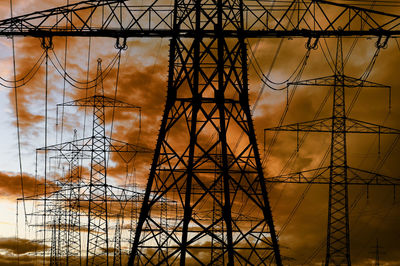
[
  {"x": 325, "y": 125},
  {"x": 334, "y": 79},
  {"x": 118, "y": 18},
  {"x": 93, "y": 101},
  {"x": 322, "y": 176}
]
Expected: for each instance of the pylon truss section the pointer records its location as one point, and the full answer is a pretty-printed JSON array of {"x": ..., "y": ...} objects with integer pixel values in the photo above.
[
  {"x": 120, "y": 18},
  {"x": 325, "y": 125},
  {"x": 63, "y": 235},
  {"x": 330, "y": 81},
  {"x": 115, "y": 194},
  {"x": 125, "y": 150},
  {"x": 322, "y": 176},
  {"x": 93, "y": 100}
]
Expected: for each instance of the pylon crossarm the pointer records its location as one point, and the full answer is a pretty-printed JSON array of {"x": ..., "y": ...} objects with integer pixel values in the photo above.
[
  {"x": 325, "y": 125},
  {"x": 117, "y": 19},
  {"x": 320, "y": 125},
  {"x": 121, "y": 146},
  {"x": 322, "y": 176},
  {"x": 332, "y": 81},
  {"x": 68, "y": 146},
  {"x": 115, "y": 194},
  {"x": 314, "y": 176},
  {"x": 363, "y": 177},
  {"x": 84, "y": 145},
  {"x": 357, "y": 126},
  {"x": 94, "y": 101}
]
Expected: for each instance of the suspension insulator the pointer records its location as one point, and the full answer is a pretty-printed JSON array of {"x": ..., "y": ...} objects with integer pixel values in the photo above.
[{"x": 120, "y": 44}]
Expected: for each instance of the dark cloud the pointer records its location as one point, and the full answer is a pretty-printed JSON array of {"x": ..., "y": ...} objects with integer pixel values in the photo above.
[
  {"x": 10, "y": 185},
  {"x": 19, "y": 246}
]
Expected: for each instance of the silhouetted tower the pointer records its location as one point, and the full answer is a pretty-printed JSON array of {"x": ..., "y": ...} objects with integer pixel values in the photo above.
[
  {"x": 63, "y": 209},
  {"x": 72, "y": 242},
  {"x": 117, "y": 242},
  {"x": 338, "y": 175},
  {"x": 206, "y": 111},
  {"x": 98, "y": 243},
  {"x": 70, "y": 232},
  {"x": 207, "y": 105},
  {"x": 74, "y": 203},
  {"x": 377, "y": 254}
]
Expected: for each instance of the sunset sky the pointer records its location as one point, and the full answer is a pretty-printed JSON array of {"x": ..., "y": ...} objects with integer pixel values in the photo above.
[{"x": 142, "y": 82}]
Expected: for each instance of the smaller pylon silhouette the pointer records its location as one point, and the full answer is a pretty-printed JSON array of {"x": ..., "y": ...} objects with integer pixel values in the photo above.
[
  {"x": 77, "y": 204},
  {"x": 338, "y": 175}
]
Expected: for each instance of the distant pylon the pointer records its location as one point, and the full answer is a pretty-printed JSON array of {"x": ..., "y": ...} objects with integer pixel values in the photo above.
[
  {"x": 338, "y": 175},
  {"x": 78, "y": 205},
  {"x": 98, "y": 242}
]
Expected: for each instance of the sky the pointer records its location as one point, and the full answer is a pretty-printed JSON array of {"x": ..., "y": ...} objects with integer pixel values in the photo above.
[{"x": 142, "y": 81}]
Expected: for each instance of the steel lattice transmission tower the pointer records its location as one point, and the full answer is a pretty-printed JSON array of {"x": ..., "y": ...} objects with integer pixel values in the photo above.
[
  {"x": 338, "y": 175},
  {"x": 78, "y": 204},
  {"x": 98, "y": 237},
  {"x": 207, "y": 109},
  {"x": 208, "y": 96}
]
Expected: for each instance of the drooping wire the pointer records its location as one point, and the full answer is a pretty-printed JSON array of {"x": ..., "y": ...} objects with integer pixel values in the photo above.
[
  {"x": 106, "y": 72},
  {"x": 265, "y": 78},
  {"x": 26, "y": 78},
  {"x": 115, "y": 98},
  {"x": 115, "y": 92},
  {"x": 17, "y": 120},
  {"x": 364, "y": 77},
  {"x": 64, "y": 84},
  {"x": 87, "y": 82},
  {"x": 283, "y": 116}
]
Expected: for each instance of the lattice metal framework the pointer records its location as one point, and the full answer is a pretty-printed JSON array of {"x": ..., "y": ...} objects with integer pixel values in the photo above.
[{"x": 208, "y": 98}]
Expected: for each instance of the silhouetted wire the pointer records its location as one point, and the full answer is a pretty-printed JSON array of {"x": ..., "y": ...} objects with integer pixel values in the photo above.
[
  {"x": 298, "y": 76},
  {"x": 33, "y": 70},
  {"x": 31, "y": 73},
  {"x": 363, "y": 78},
  {"x": 58, "y": 61},
  {"x": 45, "y": 151},
  {"x": 115, "y": 95},
  {"x": 302, "y": 196},
  {"x": 265, "y": 78},
  {"x": 64, "y": 84},
  {"x": 17, "y": 121},
  {"x": 62, "y": 71},
  {"x": 397, "y": 42},
  {"x": 300, "y": 144},
  {"x": 87, "y": 81},
  {"x": 328, "y": 56}
]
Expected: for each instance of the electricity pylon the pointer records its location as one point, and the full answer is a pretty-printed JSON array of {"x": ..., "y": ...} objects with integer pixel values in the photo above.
[
  {"x": 338, "y": 175},
  {"x": 98, "y": 188},
  {"x": 91, "y": 204},
  {"x": 208, "y": 97}
]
